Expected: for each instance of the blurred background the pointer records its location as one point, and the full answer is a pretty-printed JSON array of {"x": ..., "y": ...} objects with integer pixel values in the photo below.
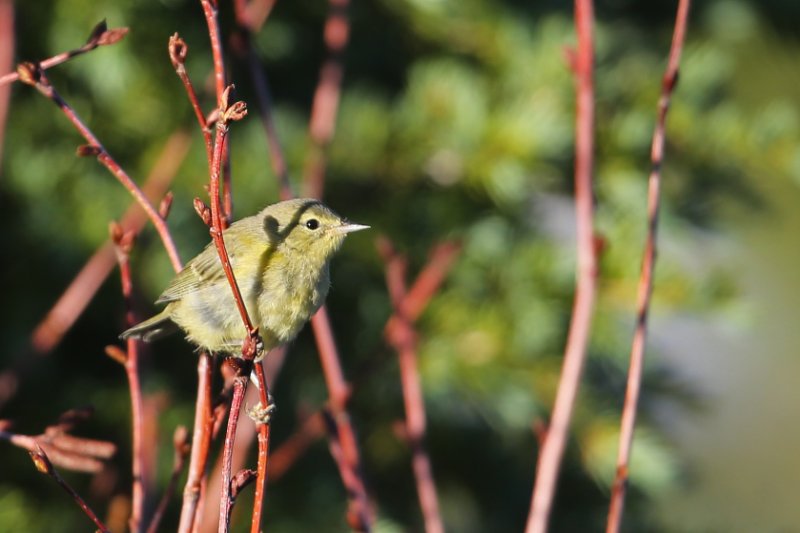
[{"x": 456, "y": 122}]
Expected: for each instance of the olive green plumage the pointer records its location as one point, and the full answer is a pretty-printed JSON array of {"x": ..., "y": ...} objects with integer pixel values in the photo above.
[{"x": 280, "y": 258}]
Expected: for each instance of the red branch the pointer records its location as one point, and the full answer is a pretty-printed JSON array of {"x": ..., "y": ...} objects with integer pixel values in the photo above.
[
  {"x": 645, "y": 290},
  {"x": 181, "y": 447},
  {"x": 43, "y": 465},
  {"x": 210, "y": 11},
  {"x": 123, "y": 242},
  {"x": 552, "y": 450},
  {"x": 178, "y": 50},
  {"x": 100, "y": 36},
  {"x": 349, "y": 461},
  {"x": 201, "y": 442},
  {"x": 81, "y": 290},
  {"x": 325, "y": 105},
  {"x": 247, "y": 26},
  {"x": 33, "y": 75},
  {"x": 74, "y": 453},
  {"x": 7, "y": 41},
  {"x": 239, "y": 389},
  {"x": 403, "y": 338},
  {"x": 263, "y": 451}
]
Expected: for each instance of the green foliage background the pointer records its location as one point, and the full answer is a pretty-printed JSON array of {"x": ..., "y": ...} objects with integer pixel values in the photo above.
[{"x": 456, "y": 122}]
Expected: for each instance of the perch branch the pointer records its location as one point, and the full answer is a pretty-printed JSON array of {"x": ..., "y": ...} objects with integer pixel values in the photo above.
[
  {"x": 552, "y": 450},
  {"x": 123, "y": 242},
  {"x": 645, "y": 289}
]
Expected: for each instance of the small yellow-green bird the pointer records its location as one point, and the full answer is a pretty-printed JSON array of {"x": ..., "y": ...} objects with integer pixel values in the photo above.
[{"x": 280, "y": 258}]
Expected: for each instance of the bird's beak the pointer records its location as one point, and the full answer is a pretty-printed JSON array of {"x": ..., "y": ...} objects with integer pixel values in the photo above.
[{"x": 349, "y": 228}]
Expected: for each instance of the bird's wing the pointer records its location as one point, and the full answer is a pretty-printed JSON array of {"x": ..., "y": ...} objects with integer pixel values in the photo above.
[
  {"x": 202, "y": 271},
  {"x": 205, "y": 270}
]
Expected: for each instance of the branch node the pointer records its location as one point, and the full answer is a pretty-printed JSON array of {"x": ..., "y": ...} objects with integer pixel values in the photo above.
[
  {"x": 88, "y": 150},
  {"x": 29, "y": 72},
  {"x": 203, "y": 211},
  {"x": 117, "y": 354}
]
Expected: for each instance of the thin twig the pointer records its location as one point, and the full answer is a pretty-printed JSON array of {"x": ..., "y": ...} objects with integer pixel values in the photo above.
[
  {"x": 210, "y": 11},
  {"x": 263, "y": 451},
  {"x": 201, "y": 442},
  {"x": 100, "y": 36},
  {"x": 33, "y": 75},
  {"x": 7, "y": 40},
  {"x": 645, "y": 290},
  {"x": 349, "y": 462},
  {"x": 43, "y": 465},
  {"x": 181, "y": 447},
  {"x": 178, "y": 50},
  {"x": 552, "y": 450},
  {"x": 325, "y": 105},
  {"x": 60, "y": 318},
  {"x": 74, "y": 453},
  {"x": 403, "y": 338},
  {"x": 123, "y": 242},
  {"x": 239, "y": 389},
  {"x": 276, "y": 157}
]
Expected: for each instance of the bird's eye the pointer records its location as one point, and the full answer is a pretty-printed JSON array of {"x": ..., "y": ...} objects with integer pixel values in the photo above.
[{"x": 312, "y": 223}]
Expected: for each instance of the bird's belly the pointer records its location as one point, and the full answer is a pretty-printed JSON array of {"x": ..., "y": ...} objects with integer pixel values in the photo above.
[{"x": 284, "y": 311}]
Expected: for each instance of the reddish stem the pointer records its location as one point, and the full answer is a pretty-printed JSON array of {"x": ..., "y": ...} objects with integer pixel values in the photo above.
[
  {"x": 325, "y": 105},
  {"x": 263, "y": 451},
  {"x": 43, "y": 465},
  {"x": 36, "y": 77},
  {"x": 277, "y": 159},
  {"x": 178, "y": 50},
  {"x": 227, "y": 501},
  {"x": 349, "y": 461},
  {"x": 7, "y": 39},
  {"x": 100, "y": 37},
  {"x": 645, "y": 289},
  {"x": 201, "y": 442},
  {"x": 81, "y": 290},
  {"x": 211, "y": 12},
  {"x": 179, "y": 458},
  {"x": 217, "y": 227},
  {"x": 552, "y": 450},
  {"x": 403, "y": 339},
  {"x": 123, "y": 242}
]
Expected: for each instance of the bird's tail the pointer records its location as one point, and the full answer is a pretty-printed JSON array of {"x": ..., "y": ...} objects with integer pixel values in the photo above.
[{"x": 151, "y": 329}]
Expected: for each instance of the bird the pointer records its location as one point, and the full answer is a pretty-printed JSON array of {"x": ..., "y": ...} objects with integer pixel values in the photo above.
[{"x": 280, "y": 258}]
